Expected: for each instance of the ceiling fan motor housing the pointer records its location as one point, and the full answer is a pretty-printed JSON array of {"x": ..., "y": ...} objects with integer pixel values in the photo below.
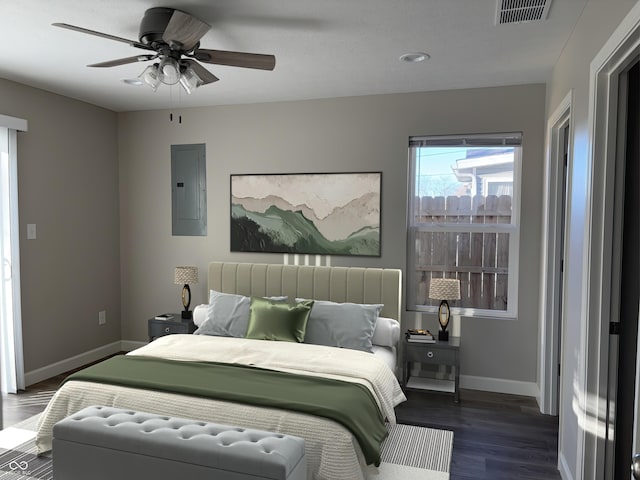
[{"x": 154, "y": 23}]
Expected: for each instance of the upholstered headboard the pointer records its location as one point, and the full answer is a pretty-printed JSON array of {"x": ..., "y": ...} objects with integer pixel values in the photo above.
[{"x": 337, "y": 284}]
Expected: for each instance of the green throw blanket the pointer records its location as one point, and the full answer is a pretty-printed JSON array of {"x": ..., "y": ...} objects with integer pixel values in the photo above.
[{"x": 349, "y": 404}]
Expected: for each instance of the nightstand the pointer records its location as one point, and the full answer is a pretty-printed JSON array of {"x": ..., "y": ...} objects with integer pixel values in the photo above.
[
  {"x": 438, "y": 353},
  {"x": 160, "y": 328}
]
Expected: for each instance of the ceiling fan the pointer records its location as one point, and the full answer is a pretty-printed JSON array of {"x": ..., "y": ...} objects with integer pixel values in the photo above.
[{"x": 174, "y": 37}]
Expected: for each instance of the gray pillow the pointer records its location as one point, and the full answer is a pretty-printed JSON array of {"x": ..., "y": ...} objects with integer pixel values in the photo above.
[
  {"x": 228, "y": 315},
  {"x": 344, "y": 325}
]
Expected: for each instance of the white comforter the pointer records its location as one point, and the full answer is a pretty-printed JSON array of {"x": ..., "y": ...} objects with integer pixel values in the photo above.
[{"x": 332, "y": 452}]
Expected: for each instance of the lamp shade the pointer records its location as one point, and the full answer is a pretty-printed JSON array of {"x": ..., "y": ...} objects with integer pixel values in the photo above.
[
  {"x": 444, "y": 289},
  {"x": 186, "y": 275}
]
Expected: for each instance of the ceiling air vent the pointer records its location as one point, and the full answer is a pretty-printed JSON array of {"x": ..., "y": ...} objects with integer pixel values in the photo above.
[{"x": 521, "y": 11}]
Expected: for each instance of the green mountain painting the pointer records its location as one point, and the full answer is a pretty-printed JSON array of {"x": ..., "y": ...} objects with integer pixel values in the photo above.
[{"x": 299, "y": 214}]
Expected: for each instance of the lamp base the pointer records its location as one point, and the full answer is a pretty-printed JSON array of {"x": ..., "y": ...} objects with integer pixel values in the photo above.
[
  {"x": 443, "y": 336},
  {"x": 187, "y": 314}
]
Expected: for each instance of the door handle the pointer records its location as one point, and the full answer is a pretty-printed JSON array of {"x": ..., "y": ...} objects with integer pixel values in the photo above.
[
  {"x": 635, "y": 466},
  {"x": 7, "y": 265}
]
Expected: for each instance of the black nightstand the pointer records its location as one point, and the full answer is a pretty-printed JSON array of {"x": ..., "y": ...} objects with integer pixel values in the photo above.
[
  {"x": 439, "y": 353},
  {"x": 160, "y": 328}
]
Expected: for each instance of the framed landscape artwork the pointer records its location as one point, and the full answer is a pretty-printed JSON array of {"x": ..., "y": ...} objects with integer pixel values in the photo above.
[{"x": 314, "y": 213}]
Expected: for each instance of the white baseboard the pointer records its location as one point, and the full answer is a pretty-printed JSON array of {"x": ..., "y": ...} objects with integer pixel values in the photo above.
[
  {"x": 563, "y": 467},
  {"x": 488, "y": 384},
  {"x": 67, "y": 364},
  {"x": 500, "y": 385},
  {"x": 80, "y": 360},
  {"x": 128, "y": 345}
]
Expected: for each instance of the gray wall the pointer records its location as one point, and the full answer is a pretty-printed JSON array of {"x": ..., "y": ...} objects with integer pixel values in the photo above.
[
  {"x": 597, "y": 23},
  {"x": 344, "y": 134},
  {"x": 68, "y": 187},
  {"x": 97, "y": 184}
]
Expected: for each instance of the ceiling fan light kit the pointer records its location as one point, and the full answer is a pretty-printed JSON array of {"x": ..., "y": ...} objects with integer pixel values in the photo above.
[
  {"x": 169, "y": 71},
  {"x": 175, "y": 36},
  {"x": 151, "y": 76},
  {"x": 189, "y": 80}
]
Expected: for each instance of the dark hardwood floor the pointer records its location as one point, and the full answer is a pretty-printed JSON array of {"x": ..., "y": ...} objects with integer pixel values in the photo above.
[
  {"x": 19, "y": 407},
  {"x": 25, "y": 404},
  {"x": 496, "y": 436}
]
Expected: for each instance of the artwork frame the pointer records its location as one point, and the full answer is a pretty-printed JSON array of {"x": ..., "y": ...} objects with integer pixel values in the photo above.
[{"x": 337, "y": 213}]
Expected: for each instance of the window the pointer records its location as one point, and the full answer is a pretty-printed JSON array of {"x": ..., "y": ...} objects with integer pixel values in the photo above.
[{"x": 463, "y": 222}]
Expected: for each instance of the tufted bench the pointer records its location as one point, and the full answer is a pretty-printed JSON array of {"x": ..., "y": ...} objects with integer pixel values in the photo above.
[{"x": 108, "y": 443}]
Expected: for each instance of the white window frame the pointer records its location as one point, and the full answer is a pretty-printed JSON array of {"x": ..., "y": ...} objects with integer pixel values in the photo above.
[{"x": 512, "y": 229}]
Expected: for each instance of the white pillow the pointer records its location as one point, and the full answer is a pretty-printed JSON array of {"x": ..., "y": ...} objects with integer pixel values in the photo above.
[
  {"x": 200, "y": 314},
  {"x": 386, "y": 332}
]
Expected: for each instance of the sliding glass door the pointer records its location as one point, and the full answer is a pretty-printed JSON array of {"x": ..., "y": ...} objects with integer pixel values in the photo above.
[{"x": 11, "y": 361}]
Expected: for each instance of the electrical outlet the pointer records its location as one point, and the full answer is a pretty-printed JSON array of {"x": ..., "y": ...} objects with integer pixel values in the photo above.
[{"x": 102, "y": 317}]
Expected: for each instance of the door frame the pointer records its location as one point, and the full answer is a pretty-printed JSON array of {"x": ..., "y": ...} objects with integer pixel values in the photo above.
[
  {"x": 552, "y": 254},
  {"x": 592, "y": 389},
  {"x": 616, "y": 271}
]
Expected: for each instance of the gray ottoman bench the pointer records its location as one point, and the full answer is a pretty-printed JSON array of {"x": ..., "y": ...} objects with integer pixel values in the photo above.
[{"x": 111, "y": 443}]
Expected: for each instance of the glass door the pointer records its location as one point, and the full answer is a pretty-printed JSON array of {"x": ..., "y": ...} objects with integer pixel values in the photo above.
[{"x": 11, "y": 367}]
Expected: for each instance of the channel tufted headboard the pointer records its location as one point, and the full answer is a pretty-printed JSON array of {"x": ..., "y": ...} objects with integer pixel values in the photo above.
[{"x": 337, "y": 284}]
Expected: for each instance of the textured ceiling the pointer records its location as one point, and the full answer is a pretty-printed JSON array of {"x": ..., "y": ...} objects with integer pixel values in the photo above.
[{"x": 329, "y": 48}]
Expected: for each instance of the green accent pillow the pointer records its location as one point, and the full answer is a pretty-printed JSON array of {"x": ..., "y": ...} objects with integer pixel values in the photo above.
[{"x": 269, "y": 320}]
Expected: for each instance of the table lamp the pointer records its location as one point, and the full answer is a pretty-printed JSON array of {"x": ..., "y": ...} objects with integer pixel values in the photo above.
[
  {"x": 185, "y": 276},
  {"x": 444, "y": 289}
]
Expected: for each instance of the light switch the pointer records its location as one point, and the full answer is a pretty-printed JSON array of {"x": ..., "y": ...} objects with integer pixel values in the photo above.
[{"x": 31, "y": 231}]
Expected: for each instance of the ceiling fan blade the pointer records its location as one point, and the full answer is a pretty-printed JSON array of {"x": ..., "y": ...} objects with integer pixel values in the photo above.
[
  {"x": 205, "y": 75},
  {"x": 124, "y": 61},
  {"x": 236, "y": 59},
  {"x": 184, "y": 30},
  {"x": 103, "y": 35}
]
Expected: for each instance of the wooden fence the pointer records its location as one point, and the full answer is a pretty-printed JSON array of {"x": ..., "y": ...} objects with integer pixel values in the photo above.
[{"x": 480, "y": 260}]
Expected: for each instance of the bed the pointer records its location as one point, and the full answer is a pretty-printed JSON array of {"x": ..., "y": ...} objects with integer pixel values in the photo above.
[{"x": 333, "y": 450}]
